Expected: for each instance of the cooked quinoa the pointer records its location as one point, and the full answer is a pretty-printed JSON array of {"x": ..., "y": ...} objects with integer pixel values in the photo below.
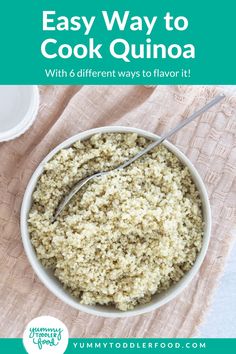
[{"x": 124, "y": 236}]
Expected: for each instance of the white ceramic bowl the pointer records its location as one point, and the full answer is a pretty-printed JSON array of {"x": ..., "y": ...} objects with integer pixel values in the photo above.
[
  {"x": 55, "y": 286},
  {"x": 18, "y": 109}
]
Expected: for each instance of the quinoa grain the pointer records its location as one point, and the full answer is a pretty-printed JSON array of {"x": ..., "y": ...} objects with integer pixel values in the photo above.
[{"x": 124, "y": 236}]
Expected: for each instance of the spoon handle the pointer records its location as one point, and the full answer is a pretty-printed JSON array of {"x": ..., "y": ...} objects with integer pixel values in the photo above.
[
  {"x": 82, "y": 182},
  {"x": 182, "y": 124}
]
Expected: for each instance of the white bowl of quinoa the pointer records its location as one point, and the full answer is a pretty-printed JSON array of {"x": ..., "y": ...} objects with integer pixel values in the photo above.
[{"x": 128, "y": 242}]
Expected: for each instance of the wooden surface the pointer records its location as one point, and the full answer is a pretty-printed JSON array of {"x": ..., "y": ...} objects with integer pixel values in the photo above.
[{"x": 64, "y": 111}]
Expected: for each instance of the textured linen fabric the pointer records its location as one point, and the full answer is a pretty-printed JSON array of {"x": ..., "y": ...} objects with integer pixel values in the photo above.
[{"x": 209, "y": 142}]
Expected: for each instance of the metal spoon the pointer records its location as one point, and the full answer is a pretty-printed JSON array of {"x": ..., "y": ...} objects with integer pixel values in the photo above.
[{"x": 151, "y": 146}]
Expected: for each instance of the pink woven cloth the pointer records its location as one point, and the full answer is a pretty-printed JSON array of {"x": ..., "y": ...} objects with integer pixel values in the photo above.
[{"x": 64, "y": 111}]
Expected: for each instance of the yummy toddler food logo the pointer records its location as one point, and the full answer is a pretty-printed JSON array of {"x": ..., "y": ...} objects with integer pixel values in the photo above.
[{"x": 45, "y": 334}]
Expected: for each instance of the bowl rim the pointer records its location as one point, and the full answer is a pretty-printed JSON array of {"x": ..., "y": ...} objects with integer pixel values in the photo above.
[
  {"x": 42, "y": 272},
  {"x": 29, "y": 117}
]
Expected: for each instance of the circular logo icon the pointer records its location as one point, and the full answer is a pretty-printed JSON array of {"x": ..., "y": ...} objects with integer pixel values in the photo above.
[{"x": 45, "y": 335}]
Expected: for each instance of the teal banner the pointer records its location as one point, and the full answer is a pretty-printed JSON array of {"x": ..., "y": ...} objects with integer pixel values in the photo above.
[
  {"x": 118, "y": 42},
  {"x": 137, "y": 345}
]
